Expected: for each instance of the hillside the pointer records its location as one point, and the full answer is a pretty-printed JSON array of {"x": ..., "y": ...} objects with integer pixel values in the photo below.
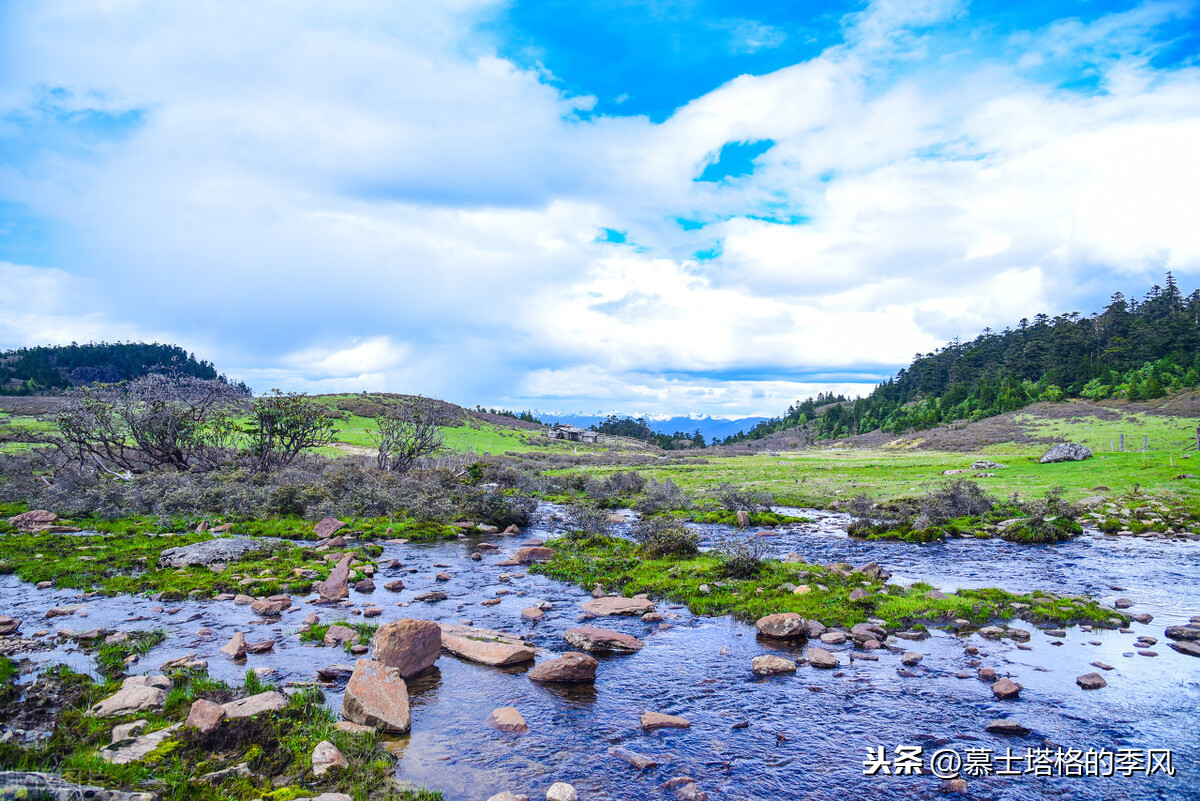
[
  {"x": 47, "y": 369},
  {"x": 1131, "y": 351}
]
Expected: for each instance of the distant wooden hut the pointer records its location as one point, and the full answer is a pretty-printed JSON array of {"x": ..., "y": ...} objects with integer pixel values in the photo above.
[{"x": 572, "y": 433}]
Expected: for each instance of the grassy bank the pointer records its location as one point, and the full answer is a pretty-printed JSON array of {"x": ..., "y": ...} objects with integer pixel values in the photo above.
[
  {"x": 276, "y": 745},
  {"x": 617, "y": 565}
]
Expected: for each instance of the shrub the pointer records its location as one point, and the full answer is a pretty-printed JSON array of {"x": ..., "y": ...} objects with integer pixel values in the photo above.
[
  {"x": 741, "y": 556},
  {"x": 661, "y": 496},
  {"x": 664, "y": 536},
  {"x": 587, "y": 523},
  {"x": 736, "y": 499}
]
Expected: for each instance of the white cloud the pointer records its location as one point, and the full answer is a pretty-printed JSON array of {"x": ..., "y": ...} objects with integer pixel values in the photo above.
[{"x": 369, "y": 198}]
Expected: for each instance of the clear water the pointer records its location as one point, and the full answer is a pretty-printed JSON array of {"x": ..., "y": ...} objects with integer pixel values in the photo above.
[{"x": 807, "y": 734}]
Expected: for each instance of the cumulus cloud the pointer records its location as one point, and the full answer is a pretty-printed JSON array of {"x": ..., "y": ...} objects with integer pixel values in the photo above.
[{"x": 370, "y": 198}]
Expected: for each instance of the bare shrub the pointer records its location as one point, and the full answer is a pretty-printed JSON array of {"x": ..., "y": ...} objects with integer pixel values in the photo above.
[
  {"x": 665, "y": 536},
  {"x": 285, "y": 425},
  {"x": 406, "y": 433},
  {"x": 588, "y": 523},
  {"x": 661, "y": 496},
  {"x": 737, "y": 499},
  {"x": 158, "y": 420},
  {"x": 741, "y": 556}
]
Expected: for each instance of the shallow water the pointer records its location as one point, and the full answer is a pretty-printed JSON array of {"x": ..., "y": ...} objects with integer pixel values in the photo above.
[{"x": 807, "y": 734}]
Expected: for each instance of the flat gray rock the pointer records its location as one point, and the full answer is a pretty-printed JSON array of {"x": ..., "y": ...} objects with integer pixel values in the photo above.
[
  {"x": 50, "y": 787},
  {"x": 210, "y": 552},
  {"x": 1066, "y": 452}
]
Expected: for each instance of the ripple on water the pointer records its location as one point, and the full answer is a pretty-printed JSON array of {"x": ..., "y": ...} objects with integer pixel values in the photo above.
[{"x": 807, "y": 733}]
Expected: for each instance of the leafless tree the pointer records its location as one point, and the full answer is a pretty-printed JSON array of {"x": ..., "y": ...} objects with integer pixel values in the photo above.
[
  {"x": 158, "y": 420},
  {"x": 286, "y": 425},
  {"x": 405, "y": 434}
]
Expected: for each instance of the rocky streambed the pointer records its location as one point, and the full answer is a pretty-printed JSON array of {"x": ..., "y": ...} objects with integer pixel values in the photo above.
[{"x": 792, "y": 730}]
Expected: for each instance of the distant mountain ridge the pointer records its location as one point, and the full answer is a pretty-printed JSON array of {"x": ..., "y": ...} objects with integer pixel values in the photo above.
[{"x": 710, "y": 427}]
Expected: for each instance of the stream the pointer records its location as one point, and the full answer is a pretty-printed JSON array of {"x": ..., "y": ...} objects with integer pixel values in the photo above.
[{"x": 807, "y": 735}]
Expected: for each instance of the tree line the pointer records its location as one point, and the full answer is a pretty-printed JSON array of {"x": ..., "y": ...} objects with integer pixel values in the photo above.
[
  {"x": 47, "y": 369},
  {"x": 1135, "y": 350},
  {"x": 639, "y": 428}
]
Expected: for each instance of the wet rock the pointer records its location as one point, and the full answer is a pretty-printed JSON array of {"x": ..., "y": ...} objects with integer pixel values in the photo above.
[
  {"x": 639, "y": 761},
  {"x": 820, "y": 658},
  {"x": 187, "y": 662},
  {"x": 532, "y": 614},
  {"x": 271, "y": 607},
  {"x": 137, "y": 693},
  {"x": 376, "y": 695},
  {"x": 205, "y": 716},
  {"x": 572, "y": 666},
  {"x": 991, "y": 632},
  {"x": 1056, "y": 633},
  {"x": 743, "y": 518},
  {"x": 1102, "y": 665},
  {"x": 1006, "y": 688},
  {"x": 485, "y": 646},
  {"x": 868, "y": 631},
  {"x": 64, "y": 611},
  {"x": 771, "y": 665},
  {"x": 336, "y": 587},
  {"x": 987, "y": 674},
  {"x": 953, "y": 786},
  {"x": 210, "y": 552},
  {"x": 595, "y": 640},
  {"x": 616, "y": 605},
  {"x": 339, "y": 635},
  {"x": 1187, "y": 647},
  {"x": 442, "y": 577},
  {"x": 327, "y": 527},
  {"x": 910, "y": 658},
  {"x": 366, "y": 585},
  {"x": 833, "y": 637},
  {"x": 394, "y": 586},
  {"x": 1122, "y": 603},
  {"x": 1189, "y": 632},
  {"x": 260, "y": 647},
  {"x": 652, "y": 617},
  {"x": 507, "y": 796},
  {"x": 431, "y": 597},
  {"x": 335, "y": 672},
  {"x": 260, "y": 704},
  {"x": 533, "y": 553},
  {"x": 243, "y": 600},
  {"x": 561, "y": 791},
  {"x": 411, "y": 646},
  {"x": 507, "y": 718},
  {"x": 326, "y": 757},
  {"x": 1091, "y": 681},
  {"x": 784, "y": 625},
  {"x": 1006, "y": 726},
  {"x": 8, "y": 625},
  {"x": 657, "y": 720}
]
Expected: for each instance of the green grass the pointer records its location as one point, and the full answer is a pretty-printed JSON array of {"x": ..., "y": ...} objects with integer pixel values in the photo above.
[
  {"x": 616, "y": 565},
  {"x": 126, "y": 563},
  {"x": 110, "y": 657},
  {"x": 274, "y": 744},
  {"x": 316, "y": 634}
]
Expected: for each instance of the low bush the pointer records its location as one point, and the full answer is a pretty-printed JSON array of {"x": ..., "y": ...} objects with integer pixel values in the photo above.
[{"x": 663, "y": 536}]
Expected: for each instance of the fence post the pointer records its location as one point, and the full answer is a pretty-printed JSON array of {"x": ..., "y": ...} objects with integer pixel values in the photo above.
[
  {"x": 1122, "y": 447},
  {"x": 1145, "y": 443}
]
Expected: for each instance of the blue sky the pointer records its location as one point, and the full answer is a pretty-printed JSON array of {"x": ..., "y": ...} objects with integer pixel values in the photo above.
[{"x": 656, "y": 207}]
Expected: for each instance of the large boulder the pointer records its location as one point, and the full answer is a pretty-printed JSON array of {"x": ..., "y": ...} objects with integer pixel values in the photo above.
[
  {"x": 210, "y": 552},
  {"x": 602, "y": 641},
  {"x": 485, "y": 646},
  {"x": 376, "y": 695},
  {"x": 571, "y": 667},
  {"x": 1066, "y": 452},
  {"x": 1189, "y": 632},
  {"x": 260, "y": 704},
  {"x": 327, "y": 527},
  {"x": 615, "y": 605},
  {"x": 137, "y": 693},
  {"x": 205, "y": 716},
  {"x": 336, "y": 586},
  {"x": 411, "y": 646},
  {"x": 8, "y": 625},
  {"x": 33, "y": 520},
  {"x": 534, "y": 553},
  {"x": 785, "y": 625}
]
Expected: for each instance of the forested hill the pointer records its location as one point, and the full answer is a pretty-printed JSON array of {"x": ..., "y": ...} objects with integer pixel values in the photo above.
[
  {"x": 30, "y": 371},
  {"x": 1133, "y": 350}
]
